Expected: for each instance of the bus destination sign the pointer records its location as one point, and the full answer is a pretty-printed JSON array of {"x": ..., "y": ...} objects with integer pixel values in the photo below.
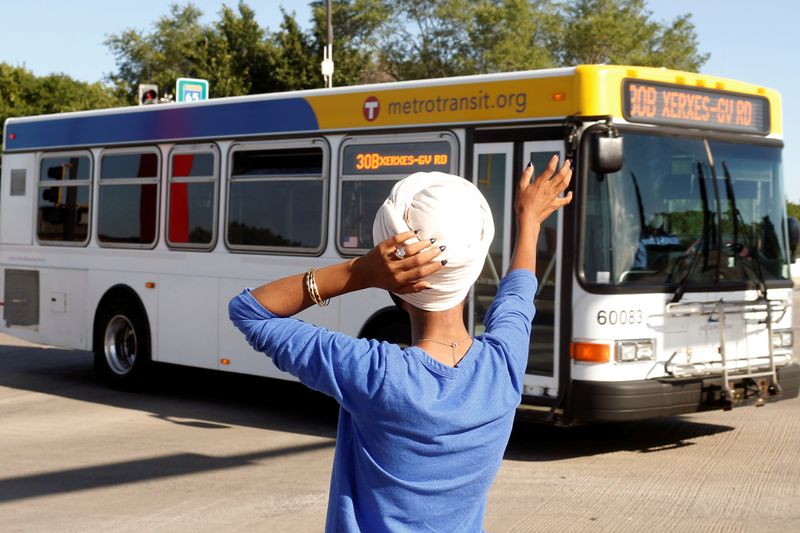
[
  {"x": 396, "y": 158},
  {"x": 677, "y": 105}
]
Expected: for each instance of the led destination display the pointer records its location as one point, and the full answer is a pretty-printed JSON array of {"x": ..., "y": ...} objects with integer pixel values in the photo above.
[
  {"x": 678, "y": 105},
  {"x": 397, "y": 158}
]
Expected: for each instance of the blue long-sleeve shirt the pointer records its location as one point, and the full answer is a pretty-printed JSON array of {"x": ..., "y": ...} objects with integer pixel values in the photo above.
[{"x": 419, "y": 443}]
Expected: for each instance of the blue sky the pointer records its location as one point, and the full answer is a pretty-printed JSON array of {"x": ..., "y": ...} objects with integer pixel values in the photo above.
[{"x": 748, "y": 41}]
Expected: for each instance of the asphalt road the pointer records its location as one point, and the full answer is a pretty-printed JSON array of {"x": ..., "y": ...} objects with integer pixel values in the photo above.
[{"x": 203, "y": 451}]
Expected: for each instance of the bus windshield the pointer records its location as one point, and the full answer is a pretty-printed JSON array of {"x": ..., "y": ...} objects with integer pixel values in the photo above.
[{"x": 686, "y": 211}]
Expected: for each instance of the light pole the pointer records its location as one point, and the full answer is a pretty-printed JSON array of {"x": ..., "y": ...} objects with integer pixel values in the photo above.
[{"x": 327, "y": 57}]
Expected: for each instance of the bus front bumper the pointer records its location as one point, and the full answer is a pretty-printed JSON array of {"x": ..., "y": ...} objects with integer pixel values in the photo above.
[{"x": 636, "y": 400}]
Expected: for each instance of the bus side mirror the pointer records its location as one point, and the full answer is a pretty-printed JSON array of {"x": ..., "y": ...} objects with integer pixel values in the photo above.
[
  {"x": 793, "y": 225},
  {"x": 607, "y": 151}
]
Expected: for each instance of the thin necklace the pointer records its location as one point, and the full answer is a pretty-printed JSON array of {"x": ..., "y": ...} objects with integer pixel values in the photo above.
[{"x": 452, "y": 345}]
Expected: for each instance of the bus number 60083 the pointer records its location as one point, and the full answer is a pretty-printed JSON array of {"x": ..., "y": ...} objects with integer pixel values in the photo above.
[{"x": 633, "y": 316}]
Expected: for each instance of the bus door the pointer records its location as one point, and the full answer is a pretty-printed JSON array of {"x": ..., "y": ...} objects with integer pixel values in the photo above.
[{"x": 494, "y": 173}]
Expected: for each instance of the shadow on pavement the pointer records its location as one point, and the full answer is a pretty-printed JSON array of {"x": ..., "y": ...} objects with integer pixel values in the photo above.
[
  {"x": 215, "y": 400},
  {"x": 534, "y": 442},
  {"x": 92, "y": 477},
  {"x": 180, "y": 395}
]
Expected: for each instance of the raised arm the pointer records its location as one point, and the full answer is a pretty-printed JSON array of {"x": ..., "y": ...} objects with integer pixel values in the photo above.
[
  {"x": 535, "y": 202},
  {"x": 379, "y": 268}
]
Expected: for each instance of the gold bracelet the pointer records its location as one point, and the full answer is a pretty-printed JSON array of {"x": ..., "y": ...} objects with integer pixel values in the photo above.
[{"x": 313, "y": 291}]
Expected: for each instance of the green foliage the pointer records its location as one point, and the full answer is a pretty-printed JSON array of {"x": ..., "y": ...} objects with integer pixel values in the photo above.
[
  {"x": 22, "y": 94},
  {"x": 792, "y": 209},
  {"x": 621, "y": 32},
  {"x": 385, "y": 40},
  {"x": 291, "y": 58},
  {"x": 428, "y": 39},
  {"x": 248, "y": 57},
  {"x": 374, "y": 40},
  {"x": 178, "y": 47},
  {"x": 357, "y": 26},
  {"x": 515, "y": 35}
]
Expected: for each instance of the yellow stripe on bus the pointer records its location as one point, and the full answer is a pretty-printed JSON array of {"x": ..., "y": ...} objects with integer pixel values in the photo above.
[
  {"x": 535, "y": 97},
  {"x": 593, "y": 90}
]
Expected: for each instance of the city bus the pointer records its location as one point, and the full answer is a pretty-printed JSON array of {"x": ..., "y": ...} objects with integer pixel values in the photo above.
[{"x": 664, "y": 287}]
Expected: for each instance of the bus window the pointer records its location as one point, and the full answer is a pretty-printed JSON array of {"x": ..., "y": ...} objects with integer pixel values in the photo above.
[
  {"x": 128, "y": 202},
  {"x": 276, "y": 199},
  {"x": 370, "y": 166},
  {"x": 64, "y": 199},
  {"x": 192, "y": 199}
]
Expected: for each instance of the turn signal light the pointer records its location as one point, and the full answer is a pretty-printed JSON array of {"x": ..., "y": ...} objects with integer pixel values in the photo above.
[
  {"x": 590, "y": 352},
  {"x": 224, "y": 361}
]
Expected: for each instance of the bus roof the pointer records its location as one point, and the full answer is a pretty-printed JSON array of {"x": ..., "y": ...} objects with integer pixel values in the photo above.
[{"x": 587, "y": 90}]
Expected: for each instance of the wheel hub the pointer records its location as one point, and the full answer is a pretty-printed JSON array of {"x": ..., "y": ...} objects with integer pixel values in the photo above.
[{"x": 119, "y": 345}]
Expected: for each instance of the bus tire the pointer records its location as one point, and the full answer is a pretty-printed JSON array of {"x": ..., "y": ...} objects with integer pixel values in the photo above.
[{"x": 122, "y": 344}]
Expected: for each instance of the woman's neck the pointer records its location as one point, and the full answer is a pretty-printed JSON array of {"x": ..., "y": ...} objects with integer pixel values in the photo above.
[{"x": 444, "y": 326}]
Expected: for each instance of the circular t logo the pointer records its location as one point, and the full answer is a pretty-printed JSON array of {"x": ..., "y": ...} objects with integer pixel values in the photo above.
[{"x": 371, "y": 108}]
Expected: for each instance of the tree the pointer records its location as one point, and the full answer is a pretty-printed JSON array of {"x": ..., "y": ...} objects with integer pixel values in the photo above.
[
  {"x": 293, "y": 62},
  {"x": 514, "y": 35},
  {"x": 442, "y": 38},
  {"x": 428, "y": 39},
  {"x": 792, "y": 209},
  {"x": 384, "y": 40},
  {"x": 246, "y": 42},
  {"x": 22, "y": 94},
  {"x": 356, "y": 25},
  {"x": 621, "y": 32},
  {"x": 179, "y": 47}
]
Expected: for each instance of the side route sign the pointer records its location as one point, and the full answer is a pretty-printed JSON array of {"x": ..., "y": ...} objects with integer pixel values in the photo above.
[{"x": 191, "y": 90}]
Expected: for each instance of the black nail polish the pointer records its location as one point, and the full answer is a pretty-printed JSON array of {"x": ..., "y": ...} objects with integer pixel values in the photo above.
[
  {"x": 530, "y": 164},
  {"x": 416, "y": 231},
  {"x": 433, "y": 241},
  {"x": 442, "y": 248},
  {"x": 444, "y": 262}
]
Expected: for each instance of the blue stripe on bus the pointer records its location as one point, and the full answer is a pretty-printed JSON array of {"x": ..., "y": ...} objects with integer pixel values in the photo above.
[{"x": 174, "y": 123}]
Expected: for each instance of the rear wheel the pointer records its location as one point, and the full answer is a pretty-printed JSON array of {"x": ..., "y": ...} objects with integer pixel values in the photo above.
[{"x": 122, "y": 344}]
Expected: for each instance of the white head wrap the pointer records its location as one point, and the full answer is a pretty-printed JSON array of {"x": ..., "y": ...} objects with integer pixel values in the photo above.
[{"x": 454, "y": 212}]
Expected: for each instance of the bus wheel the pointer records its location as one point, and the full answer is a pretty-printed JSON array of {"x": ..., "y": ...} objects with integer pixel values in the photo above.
[{"x": 121, "y": 344}]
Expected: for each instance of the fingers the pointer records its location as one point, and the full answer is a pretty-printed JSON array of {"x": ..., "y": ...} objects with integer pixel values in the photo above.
[
  {"x": 400, "y": 238},
  {"x": 412, "y": 280},
  {"x": 413, "y": 249},
  {"x": 563, "y": 177},
  {"x": 558, "y": 181},
  {"x": 413, "y": 287},
  {"x": 395, "y": 242},
  {"x": 525, "y": 178},
  {"x": 550, "y": 170},
  {"x": 561, "y": 202},
  {"x": 421, "y": 258}
]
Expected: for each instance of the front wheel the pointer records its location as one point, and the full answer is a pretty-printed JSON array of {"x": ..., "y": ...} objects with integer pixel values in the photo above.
[{"x": 122, "y": 344}]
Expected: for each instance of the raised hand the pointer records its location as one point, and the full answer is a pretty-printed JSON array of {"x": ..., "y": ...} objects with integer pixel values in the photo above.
[
  {"x": 537, "y": 200},
  {"x": 383, "y": 267}
]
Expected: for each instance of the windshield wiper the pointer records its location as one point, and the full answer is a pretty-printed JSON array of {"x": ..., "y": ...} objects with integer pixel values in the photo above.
[
  {"x": 718, "y": 224},
  {"x": 704, "y": 238},
  {"x": 639, "y": 204},
  {"x": 761, "y": 284}
]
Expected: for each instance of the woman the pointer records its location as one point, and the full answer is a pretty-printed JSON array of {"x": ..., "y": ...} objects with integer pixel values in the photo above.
[{"x": 422, "y": 430}]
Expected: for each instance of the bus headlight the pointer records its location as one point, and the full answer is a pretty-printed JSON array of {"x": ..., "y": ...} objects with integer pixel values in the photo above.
[
  {"x": 635, "y": 350},
  {"x": 782, "y": 338}
]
